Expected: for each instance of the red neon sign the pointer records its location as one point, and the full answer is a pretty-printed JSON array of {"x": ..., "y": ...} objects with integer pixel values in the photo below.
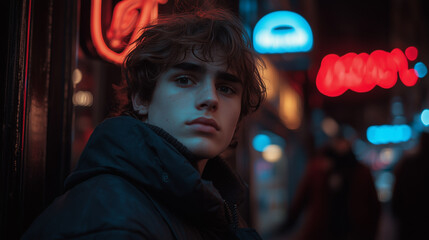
[
  {"x": 411, "y": 53},
  {"x": 129, "y": 16},
  {"x": 362, "y": 72}
]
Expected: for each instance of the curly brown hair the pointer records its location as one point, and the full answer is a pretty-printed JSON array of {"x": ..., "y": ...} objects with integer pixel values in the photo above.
[{"x": 165, "y": 43}]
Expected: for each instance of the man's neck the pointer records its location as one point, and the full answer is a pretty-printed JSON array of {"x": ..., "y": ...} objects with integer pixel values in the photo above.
[{"x": 201, "y": 164}]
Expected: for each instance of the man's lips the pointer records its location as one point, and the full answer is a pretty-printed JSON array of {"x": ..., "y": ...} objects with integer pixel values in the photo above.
[{"x": 205, "y": 121}]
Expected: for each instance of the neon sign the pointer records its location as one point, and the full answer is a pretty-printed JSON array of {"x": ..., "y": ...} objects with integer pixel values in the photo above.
[
  {"x": 282, "y": 32},
  {"x": 362, "y": 72},
  {"x": 129, "y": 16},
  {"x": 411, "y": 53},
  {"x": 388, "y": 134}
]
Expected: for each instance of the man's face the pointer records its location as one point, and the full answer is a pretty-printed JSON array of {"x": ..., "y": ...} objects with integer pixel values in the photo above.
[{"x": 199, "y": 104}]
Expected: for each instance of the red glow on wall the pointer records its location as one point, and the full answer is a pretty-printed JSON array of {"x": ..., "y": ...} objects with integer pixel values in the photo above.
[
  {"x": 129, "y": 16},
  {"x": 362, "y": 72},
  {"x": 411, "y": 53}
]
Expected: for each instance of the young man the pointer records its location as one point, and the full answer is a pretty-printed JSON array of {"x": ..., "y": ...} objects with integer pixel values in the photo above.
[{"x": 155, "y": 172}]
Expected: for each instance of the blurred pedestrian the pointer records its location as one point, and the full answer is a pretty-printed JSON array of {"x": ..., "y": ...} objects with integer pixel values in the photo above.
[{"x": 336, "y": 198}]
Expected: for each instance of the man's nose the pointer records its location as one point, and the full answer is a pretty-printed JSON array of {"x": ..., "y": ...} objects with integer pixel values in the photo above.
[{"x": 208, "y": 97}]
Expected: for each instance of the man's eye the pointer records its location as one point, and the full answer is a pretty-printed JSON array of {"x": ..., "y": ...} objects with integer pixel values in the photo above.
[
  {"x": 226, "y": 89},
  {"x": 183, "y": 81}
]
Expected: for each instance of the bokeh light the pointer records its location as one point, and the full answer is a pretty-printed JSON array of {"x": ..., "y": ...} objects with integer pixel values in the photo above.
[
  {"x": 272, "y": 153},
  {"x": 76, "y": 76},
  {"x": 290, "y": 107},
  {"x": 83, "y": 99},
  {"x": 330, "y": 127},
  {"x": 260, "y": 142},
  {"x": 425, "y": 117},
  {"x": 384, "y": 183},
  {"x": 271, "y": 77},
  {"x": 421, "y": 69},
  {"x": 386, "y": 156},
  {"x": 397, "y": 108}
]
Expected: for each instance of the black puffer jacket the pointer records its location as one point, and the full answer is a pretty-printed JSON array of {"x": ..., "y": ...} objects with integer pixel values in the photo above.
[{"x": 135, "y": 181}]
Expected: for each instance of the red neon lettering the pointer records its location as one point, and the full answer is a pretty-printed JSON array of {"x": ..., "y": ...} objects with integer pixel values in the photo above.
[
  {"x": 411, "y": 53},
  {"x": 362, "y": 72},
  {"x": 129, "y": 16}
]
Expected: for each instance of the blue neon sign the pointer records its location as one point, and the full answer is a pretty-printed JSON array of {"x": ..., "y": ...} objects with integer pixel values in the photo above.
[
  {"x": 282, "y": 32},
  {"x": 388, "y": 134}
]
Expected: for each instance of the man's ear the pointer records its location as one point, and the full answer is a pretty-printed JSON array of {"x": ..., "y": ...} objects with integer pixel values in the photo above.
[{"x": 139, "y": 106}]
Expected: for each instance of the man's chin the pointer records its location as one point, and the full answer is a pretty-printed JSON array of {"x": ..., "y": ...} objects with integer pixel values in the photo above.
[{"x": 204, "y": 148}]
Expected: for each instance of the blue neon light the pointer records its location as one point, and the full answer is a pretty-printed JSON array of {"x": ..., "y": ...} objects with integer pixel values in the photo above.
[
  {"x": 260, "y": 142},
  {"x": 425, "y": 117},
  {"x": 282, "y": 32},
  {"x": 388, "y": 134},
  {"x": 421, "y": 69}
]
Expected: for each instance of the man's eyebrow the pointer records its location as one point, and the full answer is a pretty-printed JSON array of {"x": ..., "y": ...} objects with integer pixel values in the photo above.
[
  {"x": 187, "y": 66},
  {"x": 229, "y": 77},
  {"x": 193, "y": 67}
]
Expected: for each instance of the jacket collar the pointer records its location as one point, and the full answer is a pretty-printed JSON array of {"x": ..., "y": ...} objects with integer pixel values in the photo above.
[
  {"x": 158, "y": 164},
  {"x": 227, "y": 182}
]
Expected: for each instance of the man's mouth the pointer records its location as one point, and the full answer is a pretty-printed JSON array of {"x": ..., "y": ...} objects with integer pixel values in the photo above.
[{"x": 205, "y": 121}]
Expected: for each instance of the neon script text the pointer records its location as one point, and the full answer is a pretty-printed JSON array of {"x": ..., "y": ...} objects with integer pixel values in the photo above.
[{"x": 362, "y": 72}]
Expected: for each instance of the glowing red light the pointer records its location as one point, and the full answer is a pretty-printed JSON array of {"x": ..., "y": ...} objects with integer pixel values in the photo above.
[
  {"x": 362, "y": 72},
  {"x": 411, "y": 53},
  {"x": 129, "y": 16}
]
